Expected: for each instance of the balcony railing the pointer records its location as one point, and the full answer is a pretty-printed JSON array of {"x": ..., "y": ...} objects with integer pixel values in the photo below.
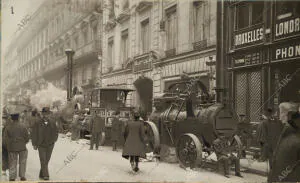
[
  {"x": 200, "y": 45},
  {"x": 61, "y": 61},
  {"x": 90, "y": 47},
  {"x": 170, "y": 52}
]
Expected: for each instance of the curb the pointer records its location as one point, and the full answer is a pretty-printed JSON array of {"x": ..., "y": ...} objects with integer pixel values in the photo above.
[{"x": 255, "y": 171}]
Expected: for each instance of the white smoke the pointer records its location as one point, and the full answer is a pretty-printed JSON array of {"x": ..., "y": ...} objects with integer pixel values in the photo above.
[{"x": 48, "y": 97}]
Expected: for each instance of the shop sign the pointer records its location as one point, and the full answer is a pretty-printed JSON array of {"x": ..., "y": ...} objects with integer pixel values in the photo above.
[
  {"x": 247, "y": 59},
  {"x": 287, "y": 51},
  {"x": 142, "y": 63},
  {"x": 286, "y": 28},
  {"x": 248, "y": 37}
]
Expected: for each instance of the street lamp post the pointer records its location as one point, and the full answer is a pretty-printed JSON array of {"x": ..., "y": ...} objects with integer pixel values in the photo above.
[
  {"x": 70, "y": 53},
  {"x": 210, "y": 64}
]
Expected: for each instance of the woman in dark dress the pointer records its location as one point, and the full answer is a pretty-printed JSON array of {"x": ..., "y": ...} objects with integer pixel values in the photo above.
[{"x": 134, "y": 147}]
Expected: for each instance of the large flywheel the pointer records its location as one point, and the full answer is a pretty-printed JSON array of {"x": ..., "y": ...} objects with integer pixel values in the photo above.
[
  {"x": 189, "y": 150},
  {"x": 152, "y": 136}
]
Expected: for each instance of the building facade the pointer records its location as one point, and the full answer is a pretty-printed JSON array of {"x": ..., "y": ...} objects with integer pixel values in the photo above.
[
  {"x": 147, "y": 45},
  {"x": 263, "y": 54},
  {"x": 54, "y": 27}
]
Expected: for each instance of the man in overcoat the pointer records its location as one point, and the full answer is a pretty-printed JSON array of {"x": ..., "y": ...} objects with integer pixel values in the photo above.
[
  {"x": 75, "y": 126},
  {"x": 97, "y": 125},
  {"x": 16, "y": 137},
  {"x": 5, "y": 122},
  {"x": 32, "y": 120},
  {"x": 270, "y": 130},
  {"x": 286, "y": 159},
  {"x": 115, "y": 130},
  {"x": 44, "y": 136},
  {"x": 134, "y": 147}
]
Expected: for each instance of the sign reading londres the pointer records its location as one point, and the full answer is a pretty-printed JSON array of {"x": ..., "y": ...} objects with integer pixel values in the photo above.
[
  {"x": 286, "y": 28},
  {"x": 249, "y": 37}
]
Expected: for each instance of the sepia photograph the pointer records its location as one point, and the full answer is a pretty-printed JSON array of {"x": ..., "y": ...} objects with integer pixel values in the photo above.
[{"x": 150, "y": 91}]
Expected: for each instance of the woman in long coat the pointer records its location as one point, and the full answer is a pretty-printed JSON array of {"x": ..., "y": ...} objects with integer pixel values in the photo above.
[{"x": 134, "y": 147}]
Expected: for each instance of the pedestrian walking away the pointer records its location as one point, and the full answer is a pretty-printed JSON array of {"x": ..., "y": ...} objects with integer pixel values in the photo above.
[
  {"x": 96, "y": 128},
  {"x": 115, "y": 130},
  {"x": 44, "y": 136},
  {"x": 134, "y": 147},
  {"x": 16, "y": 137}
]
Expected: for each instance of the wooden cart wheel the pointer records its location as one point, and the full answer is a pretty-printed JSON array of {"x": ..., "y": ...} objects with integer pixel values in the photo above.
[
  {"x": 152, "y": 136},
  {"x": 189, "y": 150}
]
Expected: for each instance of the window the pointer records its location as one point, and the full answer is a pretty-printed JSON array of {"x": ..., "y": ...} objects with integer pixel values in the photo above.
[
  {"x": 84, "y": 75},
  {"x": 75, "y": 42},
  {"x": 199, "y": 21},
  {"x": 85, "y": 37},
  {"x": 112, "y": 9},
  {"x": 38, "y": 45},
  {"x": 125, "y": 4},
  {"x": 287, "y": 8},
  {"x": 95, "y": 33},
  {"x": 110, "y": 52},
  {"x": 145, "y": 36},
  {"x": 94, "y": 72},
  {"x": 124, "y": 46},
  {"x": 248, "y": 14},
  {"x": 171, "y": 28},
  {"x": 42, "y": 41}
]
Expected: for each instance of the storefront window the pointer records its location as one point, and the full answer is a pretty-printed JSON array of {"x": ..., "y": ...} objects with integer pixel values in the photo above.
[
  {"x": 249, "y": 14},
  {"x": 243, "y": 17},
  {"x": 257, "y": 12},
  {"x": 248, "y": 94},
  {"x": 287, "y": 7}
]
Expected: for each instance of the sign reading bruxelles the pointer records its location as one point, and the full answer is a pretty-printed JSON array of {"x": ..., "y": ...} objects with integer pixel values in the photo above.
[
  {"x": 249, "y": 37},
  {"x": 286, "y": 28}
]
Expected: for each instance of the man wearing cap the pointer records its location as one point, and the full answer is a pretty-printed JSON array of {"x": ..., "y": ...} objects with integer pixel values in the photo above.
[
  {"x": 16, "y": 137},
  {"x": 44, "y": 135},
  {"x": 286, "y": 159}
]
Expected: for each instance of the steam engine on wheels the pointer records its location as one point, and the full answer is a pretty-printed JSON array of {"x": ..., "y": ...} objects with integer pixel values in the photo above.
[{"x": 188, "y": 119}]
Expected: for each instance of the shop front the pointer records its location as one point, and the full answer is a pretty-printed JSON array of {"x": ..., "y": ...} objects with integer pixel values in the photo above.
[{"x": 263, "y": 56}]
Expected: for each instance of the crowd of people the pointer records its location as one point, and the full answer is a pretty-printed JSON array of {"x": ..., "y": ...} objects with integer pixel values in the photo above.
[
  {"x": 42, "y": 131},
  {"x": 279, "y": 139},
  {"x": 41, "y": 128}
]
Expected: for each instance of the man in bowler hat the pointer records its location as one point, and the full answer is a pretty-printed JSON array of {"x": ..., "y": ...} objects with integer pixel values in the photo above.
[
  {"x": 16, "y": 137},
  {"x": 44, "y": 136}
]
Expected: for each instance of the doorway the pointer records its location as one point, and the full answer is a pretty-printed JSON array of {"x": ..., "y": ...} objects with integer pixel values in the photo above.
[{"x": 144, "y": 95}]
